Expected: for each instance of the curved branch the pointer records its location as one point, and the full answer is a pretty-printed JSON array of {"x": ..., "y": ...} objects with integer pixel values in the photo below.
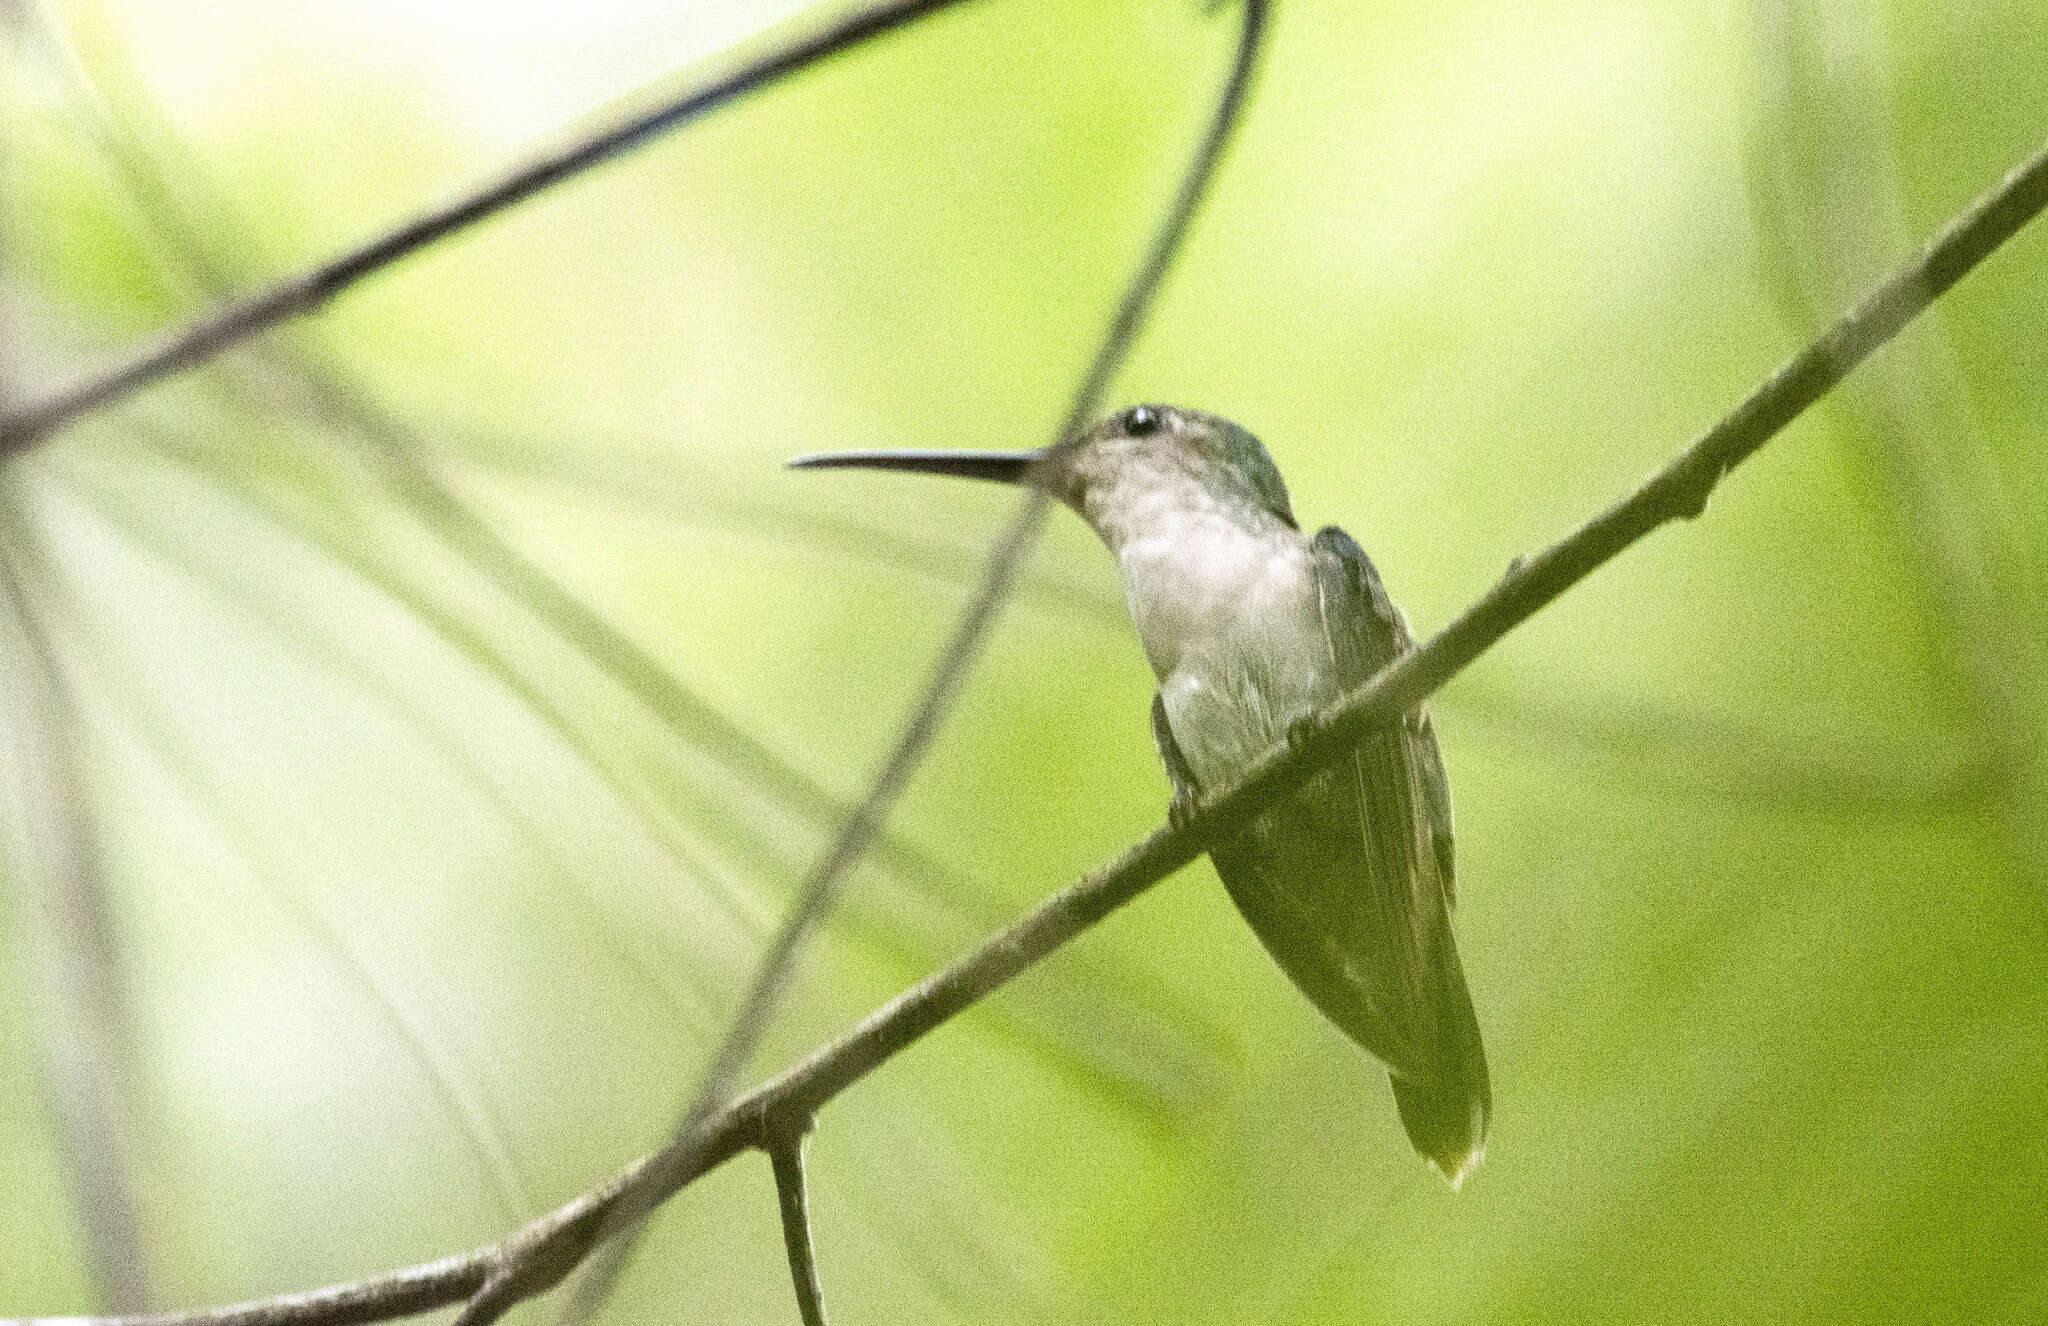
[
  {"x": 1679, "y": 490},
  {"x": 786, "y": 1153},
  {"x": 180, "y": 348}
]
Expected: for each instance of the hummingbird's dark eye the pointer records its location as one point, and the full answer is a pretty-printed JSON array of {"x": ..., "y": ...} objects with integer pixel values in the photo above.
[{"x": 1141, "y": 420}]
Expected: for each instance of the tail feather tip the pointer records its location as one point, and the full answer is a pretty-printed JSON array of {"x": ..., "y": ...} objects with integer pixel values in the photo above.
[
  {"x": 1457, "y": 1168},
  {"x": 1447, "y": 1127}
]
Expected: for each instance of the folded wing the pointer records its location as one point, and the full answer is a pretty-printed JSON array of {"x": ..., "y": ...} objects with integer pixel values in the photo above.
[{"x": 1348, "y": 883}]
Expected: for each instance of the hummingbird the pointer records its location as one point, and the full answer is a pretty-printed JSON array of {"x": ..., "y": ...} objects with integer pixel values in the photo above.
[{"x": 1251, "y": 627}]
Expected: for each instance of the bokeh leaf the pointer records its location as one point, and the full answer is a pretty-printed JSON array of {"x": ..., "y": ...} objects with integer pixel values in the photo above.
[{"x": 1750, "y": 824}]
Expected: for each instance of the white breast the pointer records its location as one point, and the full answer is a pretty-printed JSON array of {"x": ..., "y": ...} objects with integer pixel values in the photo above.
[
  {"x": 1230, "y": 623},
  {"x": 1200, "y": 581}
]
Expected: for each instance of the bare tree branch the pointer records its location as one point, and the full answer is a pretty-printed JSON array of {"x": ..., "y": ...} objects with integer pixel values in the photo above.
[
  {"x": 200, "y": 340},
  {"x": 820, "y": 891},
  {"x": 786, "y": 1154},
  {"x": 1679, "y": 490}
]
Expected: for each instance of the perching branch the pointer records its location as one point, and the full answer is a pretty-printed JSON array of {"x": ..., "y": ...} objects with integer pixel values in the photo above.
[
  {"x": 1679, "y": 490},
  {"x": 820, "y": 891},
  {"x": 786, "y": 1154},
  {"x": 193, "y": 344}
]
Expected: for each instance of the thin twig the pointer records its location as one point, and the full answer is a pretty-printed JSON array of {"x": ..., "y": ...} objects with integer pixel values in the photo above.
[
  {"x": 287, "y": 370},
  {"x": 820, "y": 891},
  {"x": 786, "y": 1154},
  {"x": 85, "y": 1025},
  {"x": 1677, "y": 491},
  {"x": 1832, "y": 185},
  {"x": 301, "y": 382},
  {"x": 50, "y": 840},
  {"x": 206, "y": 253},
  {"x": 196, "y": 342}
]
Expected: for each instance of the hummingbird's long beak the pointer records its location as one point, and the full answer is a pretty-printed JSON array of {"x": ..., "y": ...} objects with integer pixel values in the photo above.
[{"x": 1001, "y": 466}]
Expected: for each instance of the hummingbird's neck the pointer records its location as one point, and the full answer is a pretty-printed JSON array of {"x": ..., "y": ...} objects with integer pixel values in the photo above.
[
  {"x": 1205, "y": 574},
  {"x": 1148, "y": 498}
]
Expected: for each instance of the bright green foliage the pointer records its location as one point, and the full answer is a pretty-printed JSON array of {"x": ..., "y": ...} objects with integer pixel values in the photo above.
[{"x": 430, "y": 899}]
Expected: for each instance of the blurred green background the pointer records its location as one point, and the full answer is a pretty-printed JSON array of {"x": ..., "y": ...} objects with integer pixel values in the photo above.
[{"x": 422, "y": 887}]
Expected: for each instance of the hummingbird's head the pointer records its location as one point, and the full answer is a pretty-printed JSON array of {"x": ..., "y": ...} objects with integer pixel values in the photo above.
[
  {"x": 1127, "y": 470},
  {"x": 1151, "y": 457}
]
